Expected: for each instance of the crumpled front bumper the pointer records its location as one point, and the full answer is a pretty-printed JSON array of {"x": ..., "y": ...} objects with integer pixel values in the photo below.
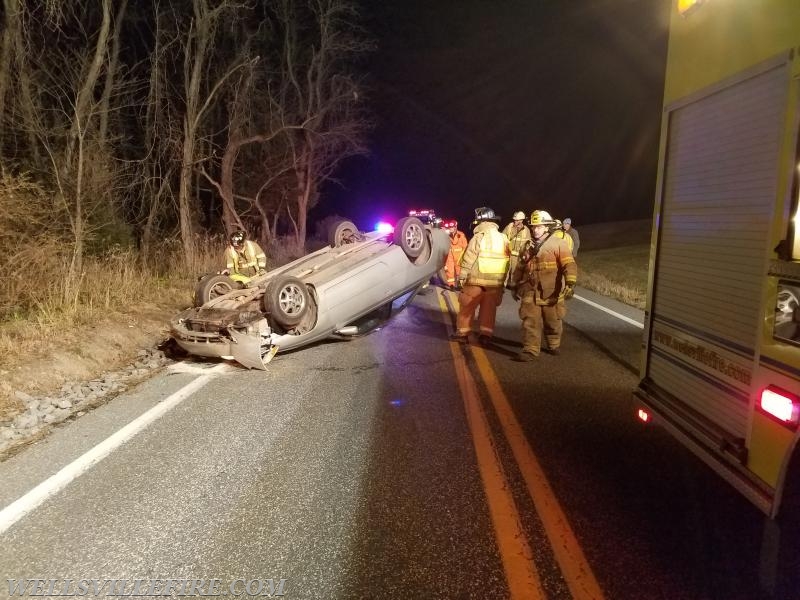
[{"x": 249, "y": 344}]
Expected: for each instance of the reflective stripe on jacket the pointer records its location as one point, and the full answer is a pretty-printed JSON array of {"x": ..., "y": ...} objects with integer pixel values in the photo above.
[
  {"x": 560, "y": 233},
  {"x": 248, "y": 261},
  {"x": 485, "y": 260},
  {"x": 547, "y": 271},
  {"x": 517, "y": 238}
]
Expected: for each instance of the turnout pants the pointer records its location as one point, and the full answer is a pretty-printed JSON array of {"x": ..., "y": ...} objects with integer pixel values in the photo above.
[
  {"x": 451, "y": 270},
  {"x": 537, "y": 319},
  {"x": 486, "y": 300}
]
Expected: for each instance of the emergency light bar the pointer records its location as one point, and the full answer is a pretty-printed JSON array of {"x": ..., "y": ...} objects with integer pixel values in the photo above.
[
  {"x": 427, "y": 216},
  {"x": 780, "y": 404}
]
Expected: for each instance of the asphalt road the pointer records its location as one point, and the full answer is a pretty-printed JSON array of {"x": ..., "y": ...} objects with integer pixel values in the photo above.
[{"x": 358, "y": 469}]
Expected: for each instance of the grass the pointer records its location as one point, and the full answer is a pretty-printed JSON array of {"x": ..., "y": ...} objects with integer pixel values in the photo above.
[
  {"x": 620, "y": 273},
  {"x": 613, "y": 260}
]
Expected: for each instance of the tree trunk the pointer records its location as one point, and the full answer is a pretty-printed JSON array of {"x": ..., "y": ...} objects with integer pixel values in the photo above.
[
  {"x": 185, "y": 212},
  {"x": 85, "y": 94},
  {"x": 266, "y": 233},
  {"x": 16, "y": 56},
  {"x": 111, "y": 71},
  {"x": 28, "y": 107},
  {"x": 78, "y": 229},
  {"x": 196, "y": 48},
  {"x": 7, "y": 51},
  {"x": 304, "y": 185},
  {"x": 230, "y": 219}
]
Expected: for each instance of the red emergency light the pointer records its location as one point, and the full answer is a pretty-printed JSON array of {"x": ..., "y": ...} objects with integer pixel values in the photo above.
[
  {"x": 643, "y": 415},
  {"x": 780, "y": 404}
]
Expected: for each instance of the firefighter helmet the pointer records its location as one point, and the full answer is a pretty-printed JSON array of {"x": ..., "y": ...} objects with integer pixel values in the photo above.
[
  {"x": 518, "y": 216},
  {"x": 541, "y": 217},
  {"x": 485, "y": 213},
  {"x": 237, "y": 239}
]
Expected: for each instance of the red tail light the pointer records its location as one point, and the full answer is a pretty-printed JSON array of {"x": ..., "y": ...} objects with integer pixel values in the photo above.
[
  {"x": 780, "y": 404},
  {"x": 643, "y": 415}
]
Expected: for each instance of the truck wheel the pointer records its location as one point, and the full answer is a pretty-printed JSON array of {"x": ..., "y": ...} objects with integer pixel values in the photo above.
[
  {"x": 342, "y": 233},
  {"x": 286, "y": 301},
  {"x": 213, "y": 286},
  {"x": 410, "y": 235}
]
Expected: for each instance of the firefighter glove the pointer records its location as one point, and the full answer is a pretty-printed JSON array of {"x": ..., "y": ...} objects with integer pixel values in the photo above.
[{"x": 569, "y": 292}]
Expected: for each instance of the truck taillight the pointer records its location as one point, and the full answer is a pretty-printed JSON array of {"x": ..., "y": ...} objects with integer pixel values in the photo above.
[
  {"x": 643, "y": 415},
  {"x": 781, "y": 404}
]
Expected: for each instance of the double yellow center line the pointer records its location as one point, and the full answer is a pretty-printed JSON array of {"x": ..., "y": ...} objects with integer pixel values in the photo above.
[{"x": 521, "y": 573}]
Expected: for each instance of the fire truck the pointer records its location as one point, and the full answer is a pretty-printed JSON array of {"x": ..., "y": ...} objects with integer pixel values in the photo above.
[{"x": 721, "y": 362}]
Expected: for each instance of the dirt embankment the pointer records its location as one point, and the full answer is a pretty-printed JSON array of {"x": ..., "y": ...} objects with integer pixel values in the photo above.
[{"x": 80, "y": 355}]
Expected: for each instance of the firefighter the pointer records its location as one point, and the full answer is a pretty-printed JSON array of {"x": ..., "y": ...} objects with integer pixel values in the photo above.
[
  {"x": 517, "y": 233},
  {"x": 573, "y": 233},
  {"x": 483, "y": 271},
  {"x": 545, "y": 277},
  {"x": 458, "y": 243},
  {"x": 558, "y": 230},
  {"x": 244, "y": 258}
]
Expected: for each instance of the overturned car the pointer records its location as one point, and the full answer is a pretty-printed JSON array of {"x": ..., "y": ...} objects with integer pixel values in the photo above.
[{"x": 342, "y": 290}]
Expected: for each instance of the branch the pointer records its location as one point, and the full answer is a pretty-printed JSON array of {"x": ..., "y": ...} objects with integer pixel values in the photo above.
[{"x": 214, "y": 90}]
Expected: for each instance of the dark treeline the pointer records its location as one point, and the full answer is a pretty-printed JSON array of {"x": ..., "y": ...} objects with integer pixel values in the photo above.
[{"x": 125, "y": 122}]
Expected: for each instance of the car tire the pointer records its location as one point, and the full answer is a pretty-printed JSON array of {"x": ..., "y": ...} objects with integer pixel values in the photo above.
[
  {"x": 410, "y": 235},
  {"x": 286, "y": 301},
  {"x": 342, "y": 233},
  {"x": 213, "y": 286}
]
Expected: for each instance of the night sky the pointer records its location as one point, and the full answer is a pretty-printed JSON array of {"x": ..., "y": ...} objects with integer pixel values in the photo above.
[{"x": 519, "y": 104}]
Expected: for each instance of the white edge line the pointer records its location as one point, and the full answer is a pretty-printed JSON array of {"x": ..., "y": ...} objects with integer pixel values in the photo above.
[
  {"x": 55, "y": 483},
  {"x": 609, "y": 311}
]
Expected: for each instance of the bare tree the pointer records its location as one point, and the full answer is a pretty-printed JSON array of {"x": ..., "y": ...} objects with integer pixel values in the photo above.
[
  {"x": 320, "y": 90},
  {"x": 83, "y": 107},
  {"x": 11, "y": 24},
  {"x": 111, "y": 72},
  {"x": 58, "y": 112},
  {"x": 311, "y": 120},
  {"x": 197, "y": 49},
  {"x": 15, "y": 71},
  {"x": 257, "y": 135},
  {"x": 159, "y": 136},
  {"x": 185, "y": 100}
]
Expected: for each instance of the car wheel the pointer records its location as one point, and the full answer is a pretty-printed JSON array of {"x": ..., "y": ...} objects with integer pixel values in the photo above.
[
  {"x": 410, "y": 235},
  {"x": 342, "y": 233},
  {"x": 286, "y": 301},
  {"x": 213, "y": 286}
]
